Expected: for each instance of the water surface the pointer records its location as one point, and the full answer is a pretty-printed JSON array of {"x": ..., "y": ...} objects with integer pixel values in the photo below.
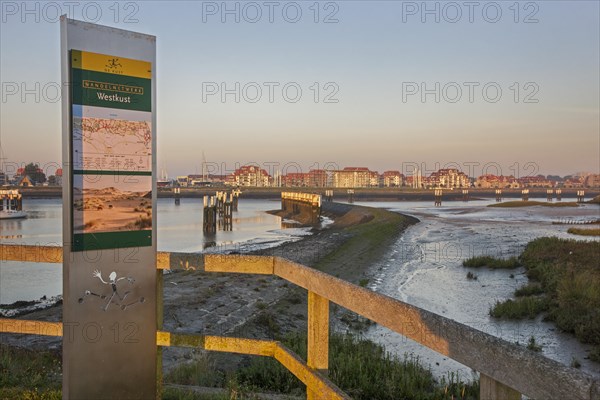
[{"x": 179, "y": 229}]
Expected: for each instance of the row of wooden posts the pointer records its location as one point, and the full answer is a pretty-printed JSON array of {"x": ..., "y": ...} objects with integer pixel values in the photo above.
[
  {"x": 438, "y": 193},
  {"x": 567, "y": 221},
  {"x": 551, "y": 193},
  {"x": 218, "y": 210},
  {"x": 329, "y": 195}
]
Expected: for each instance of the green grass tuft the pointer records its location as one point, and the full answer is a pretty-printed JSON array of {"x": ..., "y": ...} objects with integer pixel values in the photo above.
[
  {"x": 28, "y": 374},
  {"x": 471, "y": 276},
  {"x": 200, "y": 372},
  {"x": 183, "y": 394},
  {"x": 595, "y": 354},
  {"x": 520, "y": 308},
  {"x": 533, "y": 345},
  {"x": 530, "y": 289},
  {"x": 584, "y": 232},
  {"x": 491, "y": 262}
]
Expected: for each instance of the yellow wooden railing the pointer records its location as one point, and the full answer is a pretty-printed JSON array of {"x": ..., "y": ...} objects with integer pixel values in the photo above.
[
  {"x": 308, "y": 198},
  {"x": 506, "y": 370}
]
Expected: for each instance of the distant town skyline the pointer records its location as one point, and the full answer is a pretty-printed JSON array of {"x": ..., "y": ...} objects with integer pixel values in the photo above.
[
  {"x": 373, "y": 84},
  {"x": 472, "y": 169},
  {"x": 253, "y": 175}
]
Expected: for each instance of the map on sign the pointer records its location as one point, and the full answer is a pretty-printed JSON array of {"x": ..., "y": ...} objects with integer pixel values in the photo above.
[
  {"x": 111, "y": 146},
  {"x": 111, "y": 140}
]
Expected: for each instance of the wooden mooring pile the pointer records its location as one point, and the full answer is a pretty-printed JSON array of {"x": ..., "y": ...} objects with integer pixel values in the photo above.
[
  {"x": 437, "y": 194},
  {"x": 218, "y": 211},
  {"x": 350, "y": 195},
  {"x": 298, "y": 203},
  {"x": 236, "y": 194},
  {"x": 177, "y": 193},
  {"x": 465, "y": 194},
  {"x": 498, "y": 195}
]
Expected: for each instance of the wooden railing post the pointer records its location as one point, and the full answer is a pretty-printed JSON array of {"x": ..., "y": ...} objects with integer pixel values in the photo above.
[
  {"x": 489, "y": 389},
  {"x": 318, "y": 337}
]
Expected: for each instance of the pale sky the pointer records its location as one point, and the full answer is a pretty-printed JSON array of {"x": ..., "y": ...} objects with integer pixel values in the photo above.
[{"x": 375, "y": 61}]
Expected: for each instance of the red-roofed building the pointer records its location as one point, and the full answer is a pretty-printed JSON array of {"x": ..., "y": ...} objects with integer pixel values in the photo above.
[
  {"x": 491, "y": 181},
  {"x": 351, "y": 177},
  {"x": 393, "y": 179},
  {"x": 58, "y": 177},
  {"x": 573, "y": 182},
  {"x": 317, "y": 178},
  {"x": 312, "y": 178},
  {"x": 538, "y": 181},
  {"x": 592, "y": 181},
  {"x": 249, "y": 175},
  {"x": 448, "y": 178},
  {"x": 294, "y": 179},
  {"x": 198, "y": 180}
]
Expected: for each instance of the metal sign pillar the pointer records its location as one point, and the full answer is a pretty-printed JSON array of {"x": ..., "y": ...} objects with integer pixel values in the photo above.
[{"x": 109, "y": 212}]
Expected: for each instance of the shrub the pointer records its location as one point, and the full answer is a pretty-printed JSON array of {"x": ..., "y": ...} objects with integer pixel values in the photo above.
[
  {"x": 530, "y": 289},
  {"x": 532, "y": 345},
  {"x": 520, "y": 308}
]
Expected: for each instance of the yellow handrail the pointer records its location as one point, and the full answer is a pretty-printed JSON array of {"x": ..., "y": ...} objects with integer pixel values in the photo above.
[{"x": 500, "y": 363}]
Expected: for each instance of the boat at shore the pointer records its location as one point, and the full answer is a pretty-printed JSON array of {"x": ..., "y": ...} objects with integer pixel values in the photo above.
[{"x": 11, "y": 205}]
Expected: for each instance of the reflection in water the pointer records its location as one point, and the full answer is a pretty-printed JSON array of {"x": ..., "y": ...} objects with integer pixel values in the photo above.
[
  {"x": 10, "y": 224},
  {"x": 256, "y": 219},
  {"x": 11, "y": 236},
  {"x": 210, "y": 240},
  {"x": 288, "y": 224}
]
